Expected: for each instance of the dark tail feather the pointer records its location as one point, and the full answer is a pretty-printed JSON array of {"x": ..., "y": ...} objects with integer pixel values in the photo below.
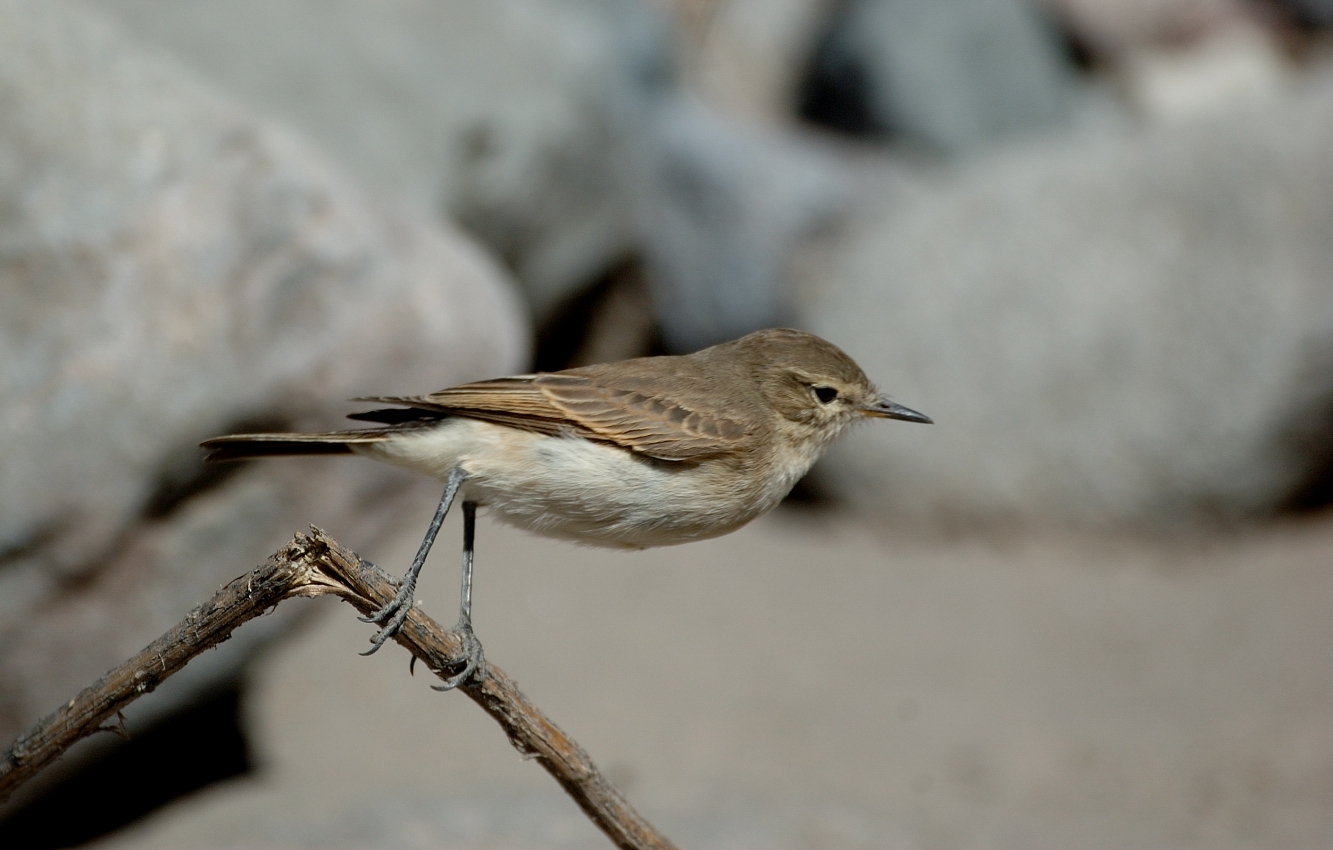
[
  {"x": 246, "y": 446},
  {"x": 398, "y": 415}
]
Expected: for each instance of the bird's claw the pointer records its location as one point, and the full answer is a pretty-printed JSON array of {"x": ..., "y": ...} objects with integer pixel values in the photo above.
[
  {"x": 391, "y": 618},
  {"x": 404, "y": 595},
  {"x": 476, "y": 660}
]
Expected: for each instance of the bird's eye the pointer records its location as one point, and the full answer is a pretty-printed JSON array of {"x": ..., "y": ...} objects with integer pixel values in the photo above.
[{"x": 825, "y": 394}]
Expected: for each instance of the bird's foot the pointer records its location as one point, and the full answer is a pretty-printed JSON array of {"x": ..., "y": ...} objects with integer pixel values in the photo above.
[
  {"x": 476, "y": 660},
  {"x": 391, "y": 617}
]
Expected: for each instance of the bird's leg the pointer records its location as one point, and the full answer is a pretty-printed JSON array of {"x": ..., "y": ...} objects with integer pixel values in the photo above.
[
  {"x": 395, "y": 612},
  {"x": 475, "y": 660}
]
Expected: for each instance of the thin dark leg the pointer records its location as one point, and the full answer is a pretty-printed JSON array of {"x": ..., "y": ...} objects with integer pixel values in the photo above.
[
  {"x": 469, "y": 544},
  {"x": 475, "y": 659},
  {"x": 396, "y": 611}
]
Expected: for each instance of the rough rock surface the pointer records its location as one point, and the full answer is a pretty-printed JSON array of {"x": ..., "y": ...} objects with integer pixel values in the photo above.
[
  {"x": 1135, "y": 327},
  {"x": 170, "y": 267}
]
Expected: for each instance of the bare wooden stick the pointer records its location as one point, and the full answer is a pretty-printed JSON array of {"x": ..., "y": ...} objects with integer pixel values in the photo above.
[{"x": 316, "y": 565}]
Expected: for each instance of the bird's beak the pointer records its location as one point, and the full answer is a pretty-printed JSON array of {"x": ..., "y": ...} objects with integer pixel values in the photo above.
[{"x": 885, "y": 409}]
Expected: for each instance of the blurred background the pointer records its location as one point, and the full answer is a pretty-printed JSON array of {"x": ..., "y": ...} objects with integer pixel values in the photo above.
[{"x": 1093, "y": 239}]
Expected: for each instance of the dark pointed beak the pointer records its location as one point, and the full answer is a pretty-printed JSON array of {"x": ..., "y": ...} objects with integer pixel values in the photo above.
[{"x": 886, "y": 409}]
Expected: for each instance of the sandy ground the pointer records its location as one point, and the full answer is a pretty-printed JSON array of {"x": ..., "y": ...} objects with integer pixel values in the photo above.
[{"x": 812, "y": 682}]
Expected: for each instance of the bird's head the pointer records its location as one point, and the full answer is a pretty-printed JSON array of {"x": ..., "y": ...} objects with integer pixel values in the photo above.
[{"x": 816, "y": 388}]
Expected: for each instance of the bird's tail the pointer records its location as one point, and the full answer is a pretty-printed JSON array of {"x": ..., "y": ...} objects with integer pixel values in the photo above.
[{"x": 246, "y": 446}]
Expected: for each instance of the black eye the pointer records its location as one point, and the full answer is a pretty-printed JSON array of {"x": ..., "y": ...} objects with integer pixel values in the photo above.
[{"x": 825, "y": 394}]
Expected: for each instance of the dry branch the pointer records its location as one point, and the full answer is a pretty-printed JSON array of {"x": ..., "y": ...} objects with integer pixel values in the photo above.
[{"x": 316, "y": 565}]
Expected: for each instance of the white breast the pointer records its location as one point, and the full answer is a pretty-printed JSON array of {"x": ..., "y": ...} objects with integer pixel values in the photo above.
[{"x": 575, "y": 489}]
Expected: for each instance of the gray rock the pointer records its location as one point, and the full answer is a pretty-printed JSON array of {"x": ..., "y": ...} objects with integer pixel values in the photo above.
[
  {"x": 552, "y": 129},
  {"x": 500, "y": 113},
  {"x": 1111, "y": 29},
  {"x": 751, "y": 55},
  {"x": 723, "y": 205},
  {"x": 949, "y": 75},
  {"x": 1131, "y": 328},
  {"x": 169, "y": 267}
]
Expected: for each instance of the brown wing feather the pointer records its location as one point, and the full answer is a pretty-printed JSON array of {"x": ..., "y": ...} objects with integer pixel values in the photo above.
[
  {"x": 639, "y": 419},
  {"x": 515, "y": 402},
  {"x": 593, "y": 406}
]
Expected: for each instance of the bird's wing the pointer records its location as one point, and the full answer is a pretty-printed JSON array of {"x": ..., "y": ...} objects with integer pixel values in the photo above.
[{"x": 590, "y": 406}]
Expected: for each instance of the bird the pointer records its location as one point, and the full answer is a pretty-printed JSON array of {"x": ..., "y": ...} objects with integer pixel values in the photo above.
[{"x": 651, "y": 451}]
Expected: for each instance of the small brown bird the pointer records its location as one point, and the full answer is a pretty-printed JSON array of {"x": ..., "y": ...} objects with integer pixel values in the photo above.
[{"x": 647, "y": 452}]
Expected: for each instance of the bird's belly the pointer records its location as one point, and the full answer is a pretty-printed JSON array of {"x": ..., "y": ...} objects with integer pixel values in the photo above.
[
  {"x": 571, "y": 488},
  {"x": 575, "y": 489}
]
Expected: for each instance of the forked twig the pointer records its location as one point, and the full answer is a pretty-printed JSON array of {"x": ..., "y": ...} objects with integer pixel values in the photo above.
[{"x": 316, "y": 565}]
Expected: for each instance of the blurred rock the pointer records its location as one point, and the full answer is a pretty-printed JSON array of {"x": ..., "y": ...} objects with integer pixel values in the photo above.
[
  {"x": 171, "y": 267},
  {"x": 947, "y": 75},
  {"x": 1132, "y": 328},
  {"x": 551, "y": 128},
  {"x": 749, "y": 56},
  {"x": 723, "y": 205},
  {"x": 620, "y": 323},
  {"x": 1111, "y": 28},
  {"x": 1177, "y": 59},
  {"x": 502, "y": 113},
  {"x": 1315, "y": 13},
  {"x": 1234, "y": 67}
]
